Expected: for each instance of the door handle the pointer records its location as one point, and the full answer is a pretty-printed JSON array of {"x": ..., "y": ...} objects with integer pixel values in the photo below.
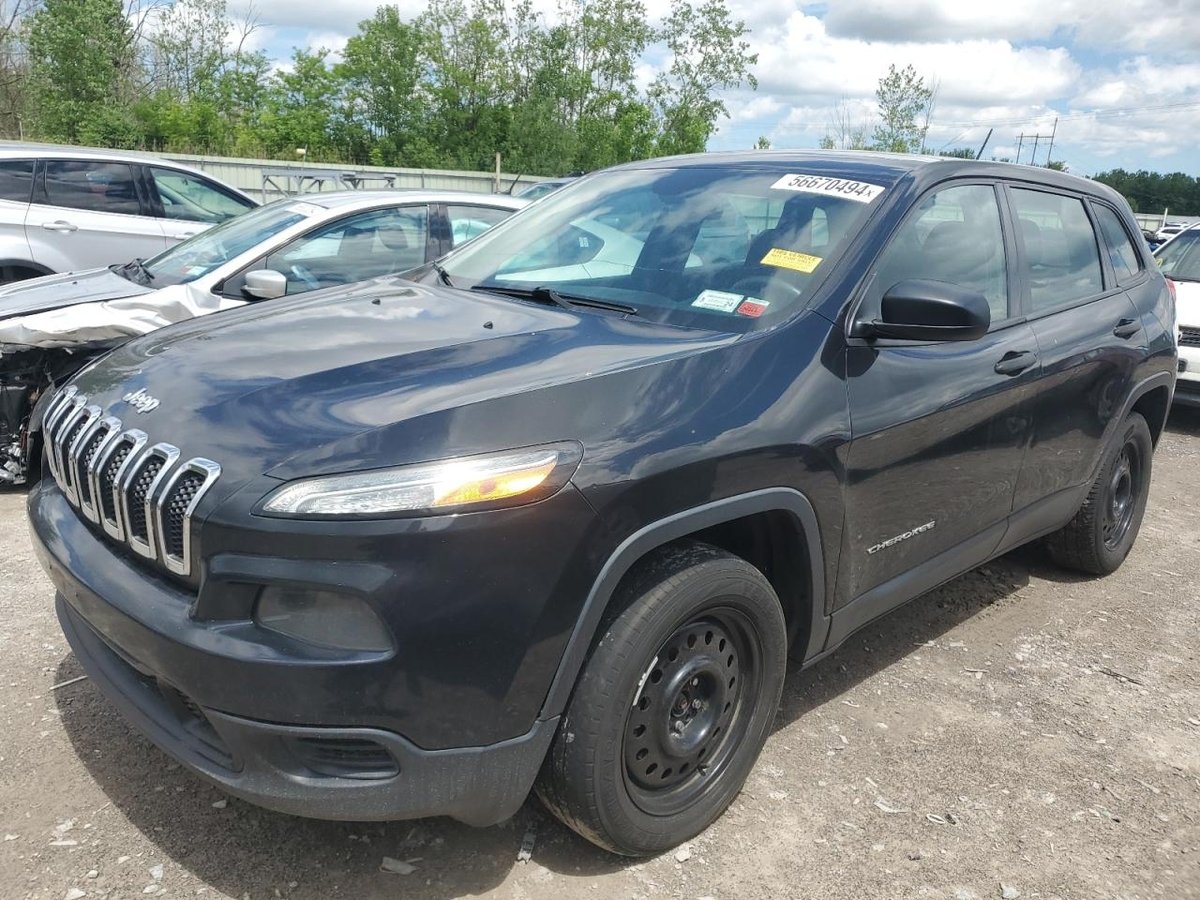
[
  {"x": 1127, "y": 328},
  {"x": 60, "y": 225},
  {"x": 1014, "y": 363}
]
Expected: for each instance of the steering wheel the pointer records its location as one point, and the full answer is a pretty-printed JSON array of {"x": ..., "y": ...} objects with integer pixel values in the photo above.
[{"x": 306, "y": 276}]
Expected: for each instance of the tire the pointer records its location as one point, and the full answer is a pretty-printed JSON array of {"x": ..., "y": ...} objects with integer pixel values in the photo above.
[
  {"x": 1104, "y": 529},
  {"x": 674, "y": 704}
]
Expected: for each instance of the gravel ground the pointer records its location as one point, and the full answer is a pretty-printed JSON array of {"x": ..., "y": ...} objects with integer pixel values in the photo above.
[{"x": 1019, "y": 732}]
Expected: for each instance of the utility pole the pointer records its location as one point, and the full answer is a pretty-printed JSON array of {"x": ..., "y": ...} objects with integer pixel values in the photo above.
[
  {"x": 1036, "y": 138},
  {"x": 1053, "y": 132}
]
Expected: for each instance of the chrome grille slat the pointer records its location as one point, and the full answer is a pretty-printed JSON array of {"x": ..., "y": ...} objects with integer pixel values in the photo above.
[{"x": 141, "y": 495}]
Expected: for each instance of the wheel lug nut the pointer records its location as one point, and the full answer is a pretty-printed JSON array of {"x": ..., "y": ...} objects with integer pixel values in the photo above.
[{"x": 696, "y": 704}]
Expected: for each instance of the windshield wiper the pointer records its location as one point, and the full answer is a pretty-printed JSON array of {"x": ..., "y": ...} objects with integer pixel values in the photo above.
[
  {"x": 1181, "y": 277},
  {"x": 549, "y": 296},
  {"x": 135, "y": 270},
  {"x": 443, "y": 275}
]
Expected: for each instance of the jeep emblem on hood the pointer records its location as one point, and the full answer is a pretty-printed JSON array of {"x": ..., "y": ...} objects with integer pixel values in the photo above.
[{"x": 141, "y": 401}]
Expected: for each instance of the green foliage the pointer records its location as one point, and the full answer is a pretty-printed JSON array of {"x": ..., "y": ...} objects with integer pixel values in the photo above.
[
  {"x": 1152, "y": 192},
  {"x": 904, "y": 103},
  {"x": 80, "y": 59},
  {"x": 462, "y": 81},
  {"x": 959, "y": 153}
]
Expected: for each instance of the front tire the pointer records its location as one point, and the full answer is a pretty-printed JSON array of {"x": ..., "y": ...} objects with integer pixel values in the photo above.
[
  {"x": 674, "y": 704},
  {"x": 1104, "y": 529}
]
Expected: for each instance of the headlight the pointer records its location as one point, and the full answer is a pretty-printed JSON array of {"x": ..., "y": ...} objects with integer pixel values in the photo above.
[{"x": 468, "y": 483}]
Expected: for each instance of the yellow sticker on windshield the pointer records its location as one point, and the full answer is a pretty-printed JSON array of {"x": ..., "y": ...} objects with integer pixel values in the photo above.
[{"x": 790, "y": 259}]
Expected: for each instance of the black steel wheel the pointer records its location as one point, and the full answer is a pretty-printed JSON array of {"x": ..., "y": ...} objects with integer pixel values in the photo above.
[
  {"x": 1103, "y": 531},
  {"x": 686, "y": 719},
  {"x": 674, "y": 704}
]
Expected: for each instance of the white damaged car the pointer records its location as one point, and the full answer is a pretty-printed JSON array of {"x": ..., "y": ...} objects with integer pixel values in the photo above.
[
  {"x": 1179, "y": 260},
  {"x": 52, "y": 326}
]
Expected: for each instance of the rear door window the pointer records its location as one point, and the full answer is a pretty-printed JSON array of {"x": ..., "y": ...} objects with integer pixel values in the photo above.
[
  {"x": 467, "y": 222},
  {"x": 16, "y": 180},
  {"x": 95, "y": 186},
  {"x": 1124, "y": 259},
  {"x": 1062, "y": 258}
]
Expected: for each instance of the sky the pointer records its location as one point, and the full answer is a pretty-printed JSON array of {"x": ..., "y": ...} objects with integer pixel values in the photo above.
[{"x": 1122, "y": 77}]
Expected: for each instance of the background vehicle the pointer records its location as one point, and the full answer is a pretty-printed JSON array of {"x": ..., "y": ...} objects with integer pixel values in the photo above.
[
  {"x": 1169, "y": 230},
  {"x": 517, "y": 523},
  {"x": 51, "y": 326},
  {"x": 65, "y": 209},
  {"x": 1179, "y": 260},
  {"x": 540, "y": 189}
]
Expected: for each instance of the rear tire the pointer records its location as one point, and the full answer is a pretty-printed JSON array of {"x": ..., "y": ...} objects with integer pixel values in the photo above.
[
  {"x": 1104, "y": 529},
  {"x": 674, "y": 704}
]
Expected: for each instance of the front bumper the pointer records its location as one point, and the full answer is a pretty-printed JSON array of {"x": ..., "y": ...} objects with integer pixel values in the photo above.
[
  {"x": 1187, "y": 383},
  {"x": 325, "y": 734},
  {"x": 273, "y": 765}
]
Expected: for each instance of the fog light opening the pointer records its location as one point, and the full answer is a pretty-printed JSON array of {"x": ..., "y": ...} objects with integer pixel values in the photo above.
[{"x": 322, "y": 618}]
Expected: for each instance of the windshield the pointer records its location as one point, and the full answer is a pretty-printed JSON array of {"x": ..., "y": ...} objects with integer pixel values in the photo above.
[
  {"x": 701, "y": 246},
  {"x": 201, "y": 254},
  {"x": 1180, "y": 258}
]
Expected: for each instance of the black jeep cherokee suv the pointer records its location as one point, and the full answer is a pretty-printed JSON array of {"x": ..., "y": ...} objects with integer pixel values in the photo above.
[{"x": 552, "y": 514}]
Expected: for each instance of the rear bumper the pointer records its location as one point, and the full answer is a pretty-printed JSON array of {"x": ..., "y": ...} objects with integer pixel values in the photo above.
[{"x": 294, "y": 769}]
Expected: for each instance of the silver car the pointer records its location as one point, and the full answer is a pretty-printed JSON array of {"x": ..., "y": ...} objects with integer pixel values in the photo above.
[
  {"x": 51, "y": 326},
  {"x": 64, "y": 209}
]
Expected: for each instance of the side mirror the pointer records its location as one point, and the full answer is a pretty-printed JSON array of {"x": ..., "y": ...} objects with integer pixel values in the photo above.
[
  {"x": 265, "y": 284},
  {"x": 919, "y": 310}
]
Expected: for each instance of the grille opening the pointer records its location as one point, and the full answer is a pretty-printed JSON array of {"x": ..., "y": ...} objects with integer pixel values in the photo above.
[
  {"x": 138, "y": 490},
  {"x": 90, "y": 449},
  {"x": 68, "y": 439},
  {"x": 1189, "y": 337},
  {"x": 176, "y": 508},
  {"x": 345, "y": 757},
  {"x": 108, "y": 479}
]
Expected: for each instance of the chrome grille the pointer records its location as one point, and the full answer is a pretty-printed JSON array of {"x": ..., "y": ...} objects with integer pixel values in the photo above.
[
  {"x": 140, "y": 494},
  {"x": 1189, "y": 337}
]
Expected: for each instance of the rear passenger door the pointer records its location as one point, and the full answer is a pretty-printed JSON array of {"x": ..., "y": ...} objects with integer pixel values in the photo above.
[
  {"x": 90, "y": 213},
  {"x": 939, "y": 429},
  {"x": 1089, "y": 337}
]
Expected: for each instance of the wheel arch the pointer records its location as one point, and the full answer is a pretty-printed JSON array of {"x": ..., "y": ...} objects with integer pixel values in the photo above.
[
  {"x": 1152, "y": 398},
  {"x": 20, "y": 263},
  {"x": 757, "y": 527}
]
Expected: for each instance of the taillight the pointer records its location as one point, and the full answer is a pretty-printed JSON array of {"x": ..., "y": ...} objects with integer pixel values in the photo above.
[{"x": 1171, "y": 289}]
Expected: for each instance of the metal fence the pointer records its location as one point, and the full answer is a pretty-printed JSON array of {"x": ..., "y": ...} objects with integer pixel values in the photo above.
[{"x": 270, "y": 179}]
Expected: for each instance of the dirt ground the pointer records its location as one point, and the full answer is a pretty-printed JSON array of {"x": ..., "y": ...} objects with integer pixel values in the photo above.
[{"x": 1017, "y": 733}]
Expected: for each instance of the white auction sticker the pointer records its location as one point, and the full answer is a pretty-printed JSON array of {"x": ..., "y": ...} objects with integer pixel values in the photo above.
[
  {"x": 722, "y": 301},
  {"x": 858, "y": 191}
]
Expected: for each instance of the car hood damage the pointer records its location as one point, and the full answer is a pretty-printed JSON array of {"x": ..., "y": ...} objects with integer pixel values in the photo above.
[{"x": 96, "y": 307}]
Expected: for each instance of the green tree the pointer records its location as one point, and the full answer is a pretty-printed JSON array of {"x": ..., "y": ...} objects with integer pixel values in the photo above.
[
  {"x": 709, "y": 54},
  {"x": 386, "y": 101},
  {"x": 81, "y": 64},
  {"x": 298, "y": 108},
  {"x": 904, "y": 106}
]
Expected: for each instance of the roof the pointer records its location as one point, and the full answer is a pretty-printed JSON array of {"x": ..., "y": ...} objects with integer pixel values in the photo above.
[
  {"x": 337, "y": 199},
  {"x": 879, "y": 168},
  {"x": 10, "y": 149}
]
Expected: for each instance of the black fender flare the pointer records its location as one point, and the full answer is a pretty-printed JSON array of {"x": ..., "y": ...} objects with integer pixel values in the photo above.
[
  {"x": 1145, "y": 386},
  {"x": 673, "y": 527}
]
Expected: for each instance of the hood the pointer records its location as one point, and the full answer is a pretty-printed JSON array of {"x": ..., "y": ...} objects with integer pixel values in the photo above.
[
  {"x": 1187, "y": 303},
  {"x": 323, "y": 383},
  {"x": 56, "y": 291}
]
